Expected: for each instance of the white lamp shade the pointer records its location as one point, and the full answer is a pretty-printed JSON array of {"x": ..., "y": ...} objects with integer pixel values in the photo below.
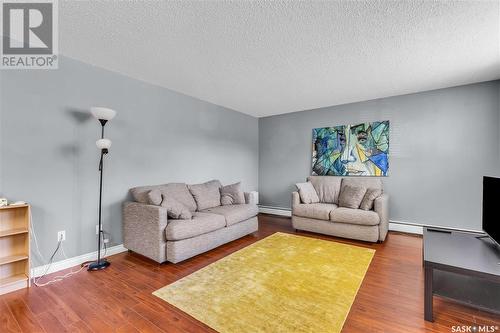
[
  {"x": 103, "y": 144},
  {"x": 102, "y": 113}
]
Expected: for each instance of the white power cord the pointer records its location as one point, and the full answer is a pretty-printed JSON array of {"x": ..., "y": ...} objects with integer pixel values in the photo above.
[
  {"x": 51, "y": 260},
  {"x": 58, "y": 277},
  {"x": 32, "y": 229}
]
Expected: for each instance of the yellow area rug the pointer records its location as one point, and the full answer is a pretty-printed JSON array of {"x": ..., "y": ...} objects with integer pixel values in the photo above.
[{"x": 283, "y": 283}]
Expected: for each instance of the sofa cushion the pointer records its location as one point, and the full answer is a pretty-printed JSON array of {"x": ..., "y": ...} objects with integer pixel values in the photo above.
[
  {"x": 235, "y": 213},
  {"x": 327, "y": 188},
  {"x": 206, "y": 195},
  {"x": 307, "y": 193},
  {"x": 178, "y": 191},
  {"x": 140, "y": 193},
  {"x": 320, "y": 211},
  {"x": 369, "y": 198},
  {"x": 175, "y": 209},
  {"x": 232, "y": 195},
  {"x": 155, "y": 197},
  {"x": 351, "y": 196},
  {"x": 366, "y": 182},
  {"x": 354, "y": 216},
  {"x": 201, "y": 223}
]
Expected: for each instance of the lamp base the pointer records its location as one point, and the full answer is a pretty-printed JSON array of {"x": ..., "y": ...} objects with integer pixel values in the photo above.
[{"x": 98, "y": 265}]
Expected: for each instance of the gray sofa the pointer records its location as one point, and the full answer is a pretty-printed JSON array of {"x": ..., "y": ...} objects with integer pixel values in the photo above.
[
  {"x": 326, "y": 217},
  {"x": 148, "y": 230}
]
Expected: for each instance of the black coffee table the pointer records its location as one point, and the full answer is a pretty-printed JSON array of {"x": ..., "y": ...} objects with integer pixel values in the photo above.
[{"x": 457, "y": 255}]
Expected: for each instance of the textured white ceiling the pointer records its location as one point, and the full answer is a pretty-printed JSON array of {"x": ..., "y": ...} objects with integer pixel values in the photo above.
[{"x": 270, "y": 57}]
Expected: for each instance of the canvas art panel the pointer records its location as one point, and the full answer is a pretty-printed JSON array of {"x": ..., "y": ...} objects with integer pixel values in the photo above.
[{"x": 351, "y": 150}]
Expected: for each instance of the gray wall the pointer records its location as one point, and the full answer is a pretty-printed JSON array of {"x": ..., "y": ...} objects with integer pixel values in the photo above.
[
  {"x": 49, "y": 158},
  {"x": 442, "y": 143}
]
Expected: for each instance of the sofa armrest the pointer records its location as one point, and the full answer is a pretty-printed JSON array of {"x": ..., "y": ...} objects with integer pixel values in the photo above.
[
  {"x": 252, "y": 197},
  {"x": 381, "y": 207},
  {"x": 144, "y": 230},
  {"x": 295, "y": 199}
]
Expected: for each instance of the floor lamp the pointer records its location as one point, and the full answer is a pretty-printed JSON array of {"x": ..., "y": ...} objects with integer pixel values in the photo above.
[{"x": 103, "y": 115}]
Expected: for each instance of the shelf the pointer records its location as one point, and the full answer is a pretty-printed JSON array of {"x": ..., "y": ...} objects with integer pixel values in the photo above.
[
  {"x": 14, "y": 247},
  {"x": 13, "y": 279},
  {"x": 11, "y": 232},
  {"x": 10, "y": 259},
  {"x": 13, "y": 206}
]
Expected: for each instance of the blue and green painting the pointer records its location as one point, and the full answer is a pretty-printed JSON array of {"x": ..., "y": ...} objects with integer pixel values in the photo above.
[{"x": 351, "y": 150}]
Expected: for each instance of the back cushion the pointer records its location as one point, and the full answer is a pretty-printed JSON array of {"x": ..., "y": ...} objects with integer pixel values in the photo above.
[
  {"x": 327, "y": 188},
  {"x": 206, "y": 195},
  {"x": 140, "y": 193},
  {"x": 351, "y": 197},
  {"x": 307, "y": 193},
  {"x": 374, "y": 183},
  {"x": 232, "y": 195},
  {"x": 178, "y": 191}
]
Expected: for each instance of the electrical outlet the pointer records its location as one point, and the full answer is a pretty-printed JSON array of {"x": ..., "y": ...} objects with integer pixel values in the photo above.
[
  {"x": 106, "y": 241},
  {"x": 61, "y": 236},
  {"x": 97, "y": 229}
]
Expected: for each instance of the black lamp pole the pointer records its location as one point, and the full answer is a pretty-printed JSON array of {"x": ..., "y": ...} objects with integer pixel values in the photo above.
[{"x": 100, "y": 263}]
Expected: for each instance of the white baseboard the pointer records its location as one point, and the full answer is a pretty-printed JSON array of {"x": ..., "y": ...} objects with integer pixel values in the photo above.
[
  {"x": 74, "y": 261},
  {"x": 275, "y": 211},
  {"x": 404, "y": 226},
  {"x": 407, "y": 227}
]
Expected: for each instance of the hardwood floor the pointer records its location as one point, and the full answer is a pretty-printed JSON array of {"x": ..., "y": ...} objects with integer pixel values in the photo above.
[{"x": 119, "y": 299}]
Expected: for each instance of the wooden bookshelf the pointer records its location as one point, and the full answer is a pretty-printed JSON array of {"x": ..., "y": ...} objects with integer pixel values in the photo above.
[
  {"x": 14, "y": 248},
  {"x": 12, "y": 232}
]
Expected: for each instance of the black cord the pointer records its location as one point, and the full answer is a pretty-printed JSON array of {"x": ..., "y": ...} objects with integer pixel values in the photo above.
[{"x": 55, "y": 252}]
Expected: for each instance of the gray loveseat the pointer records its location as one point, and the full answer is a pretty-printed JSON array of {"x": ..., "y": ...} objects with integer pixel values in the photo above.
[
  {"x": 148, "y": 230},
  {"x": 326, "y": 217}
]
